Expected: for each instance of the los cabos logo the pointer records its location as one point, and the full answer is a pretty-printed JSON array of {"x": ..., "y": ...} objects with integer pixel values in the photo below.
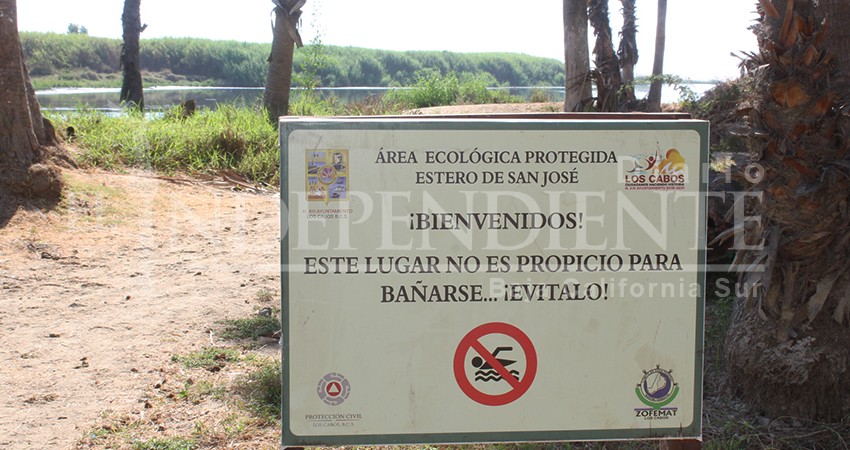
[
  {"x": 656, "y": 390},
  {"x": 653, "y": 172}
]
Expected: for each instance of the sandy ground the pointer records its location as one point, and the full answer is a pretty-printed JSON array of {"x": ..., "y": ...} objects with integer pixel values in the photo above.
[{"x": 98, "y": 293}]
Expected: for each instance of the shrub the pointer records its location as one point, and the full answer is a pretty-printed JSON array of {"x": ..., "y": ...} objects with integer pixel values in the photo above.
[
  {"x": 209, "y": 358},
  {"x": 169, "y": 443},
  {"x": 250, "y": 328},
  {"x": 262, "y": 389}
]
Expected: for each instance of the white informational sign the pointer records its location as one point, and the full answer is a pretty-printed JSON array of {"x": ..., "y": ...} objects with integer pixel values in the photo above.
[{"x": 485, "y": 280}]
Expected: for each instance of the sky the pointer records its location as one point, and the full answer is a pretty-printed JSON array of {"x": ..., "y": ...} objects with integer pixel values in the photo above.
[{"x": 700, "y": 35}]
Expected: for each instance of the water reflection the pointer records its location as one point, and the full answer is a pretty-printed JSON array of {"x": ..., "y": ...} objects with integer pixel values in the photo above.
[{"x": 160, "y": 98}]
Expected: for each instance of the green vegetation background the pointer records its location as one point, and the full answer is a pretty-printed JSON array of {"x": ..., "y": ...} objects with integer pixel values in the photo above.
[{"x": 79, "y": 60}]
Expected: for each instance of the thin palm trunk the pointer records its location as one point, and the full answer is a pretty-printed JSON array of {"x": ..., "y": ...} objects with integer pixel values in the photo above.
[
  {"x": 279, "y": 78},
  {"x": 576, "y": 59},
  {"x": 131, "y": 87},
  {"x": 653, "y": 98},
  {"x": 607, "y": 73},
  {"x": 628, "y": 51}
]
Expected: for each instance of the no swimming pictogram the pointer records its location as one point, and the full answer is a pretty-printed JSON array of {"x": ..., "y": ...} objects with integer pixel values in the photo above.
[{"x": 492, "y": 364}]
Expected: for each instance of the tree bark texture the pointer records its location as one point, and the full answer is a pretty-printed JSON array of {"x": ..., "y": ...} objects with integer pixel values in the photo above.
[
  {"x": 607, "y": 72},
  {"x": 628, "y": 50},
  {"x": 279, "y": 78},
  {"x": 131, "y": 87},
  {"x": 787, "y": 347},
  {"x": 43, "y": 128},
  {"x": 19, "y": 146},
  {"x": 576, "y": 58},
  {"x": 23, "y": 130},
  {"x": 836, "y": 14},
  {"x": 653, "y": 98}
]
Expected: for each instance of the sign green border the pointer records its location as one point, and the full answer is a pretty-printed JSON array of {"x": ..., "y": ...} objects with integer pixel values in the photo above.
[{"x": 290, "y": 125}]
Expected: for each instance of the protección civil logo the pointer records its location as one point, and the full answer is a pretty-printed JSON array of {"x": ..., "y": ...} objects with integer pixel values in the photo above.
[{"x": 333, "y": 389}]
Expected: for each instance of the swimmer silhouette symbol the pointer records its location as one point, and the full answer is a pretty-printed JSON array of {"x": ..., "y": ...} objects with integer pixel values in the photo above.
[{"x": 486, "y": 372}]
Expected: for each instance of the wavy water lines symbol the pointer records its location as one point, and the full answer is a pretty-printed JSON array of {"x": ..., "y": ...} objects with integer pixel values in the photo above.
[{"x": 492, "y": 375}]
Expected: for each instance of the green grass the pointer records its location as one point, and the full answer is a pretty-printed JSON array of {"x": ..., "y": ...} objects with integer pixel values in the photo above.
[
  {"x": 256, "y": 325},
  {"x": 261, "y": 389},
  {"x": 226, "y": 138},
  {"x": 719, "y": 315},
  {"x": 208, "y": 358},
  {"x": 307, "y": 103},
  {"x": 374, "y": 105},
  {"x": 265, "y": 296},
  {"x": 230, "y": 137},
  {"x": 169, "y": 443},
  {"x": 196, "y": 392},
  {"x": 250, "y": 327}
]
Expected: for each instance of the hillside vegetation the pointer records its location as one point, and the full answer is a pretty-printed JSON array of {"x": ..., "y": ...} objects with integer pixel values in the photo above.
[{"x": 62, "y": 60}]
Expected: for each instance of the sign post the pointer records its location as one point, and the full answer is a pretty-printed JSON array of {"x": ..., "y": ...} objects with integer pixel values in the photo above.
[{"x": 491, "y": 280}]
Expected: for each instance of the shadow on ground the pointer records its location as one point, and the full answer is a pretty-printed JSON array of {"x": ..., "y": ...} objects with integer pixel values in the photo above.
[{"x": 11, "y": 203}]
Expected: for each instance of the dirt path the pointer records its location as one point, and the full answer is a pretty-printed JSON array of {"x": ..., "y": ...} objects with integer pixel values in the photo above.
[
  {"x": 497, "y": 108},
  {"x": 98, "y": 294}
]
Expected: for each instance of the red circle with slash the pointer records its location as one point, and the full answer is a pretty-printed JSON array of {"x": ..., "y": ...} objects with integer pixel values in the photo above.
[{"x": 472, "y": 340}]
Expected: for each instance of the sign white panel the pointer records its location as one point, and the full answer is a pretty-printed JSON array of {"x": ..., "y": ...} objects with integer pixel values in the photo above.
[{"x": 491, "y": 280}]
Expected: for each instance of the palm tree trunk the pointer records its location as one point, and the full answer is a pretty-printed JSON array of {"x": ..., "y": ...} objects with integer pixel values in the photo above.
[
  {"x": 787, "y": 347},
  {"x": 653, "y": 98},
  {"x": 837, "y": 15},
  {"x": 607, "y": 73},
  {"x": 628, "y": 51},
  {"x": 279, "y": 78},
  {"x": 576, "y": 60},
  {"x": 131, "y": 88}
]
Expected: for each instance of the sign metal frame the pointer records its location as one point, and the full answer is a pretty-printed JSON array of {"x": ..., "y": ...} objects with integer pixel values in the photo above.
[{"x": 527, "y": 123}]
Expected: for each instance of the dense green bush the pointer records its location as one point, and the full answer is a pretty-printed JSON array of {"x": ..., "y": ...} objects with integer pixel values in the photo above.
[
  {"x": 433, "y": 89},
  {"x": 401, "y": 68},
  {"x": 56, "y": 60},
  {"x": 222, "y": 62},
  {"x": 47, "y": 53}
]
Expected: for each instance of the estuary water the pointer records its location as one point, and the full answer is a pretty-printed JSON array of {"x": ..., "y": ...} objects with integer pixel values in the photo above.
[{"x": 160, "y": 98}]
